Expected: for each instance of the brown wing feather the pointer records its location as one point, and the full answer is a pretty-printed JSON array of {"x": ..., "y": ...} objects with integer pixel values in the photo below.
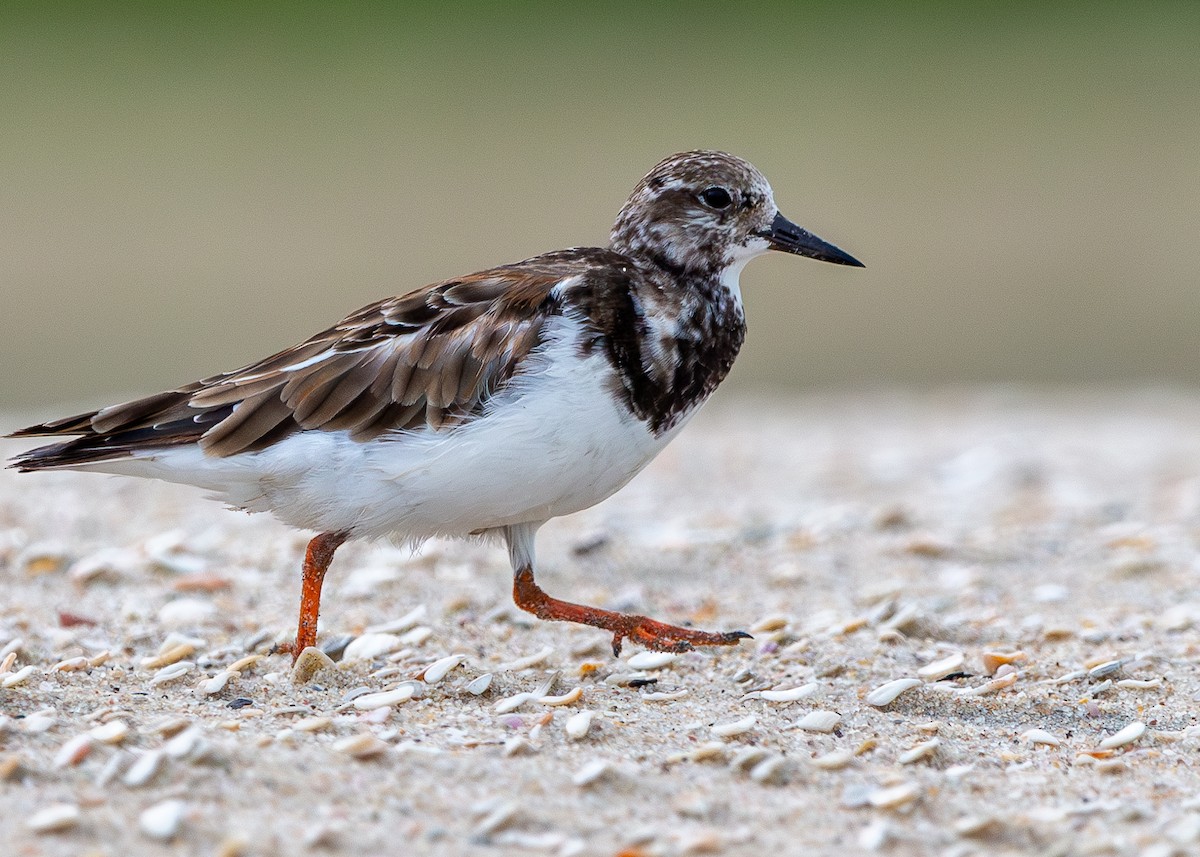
[{"x": 431, "y": 357}]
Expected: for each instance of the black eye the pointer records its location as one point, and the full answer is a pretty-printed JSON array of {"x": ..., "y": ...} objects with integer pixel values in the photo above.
[{"x": 716, "y": 197}]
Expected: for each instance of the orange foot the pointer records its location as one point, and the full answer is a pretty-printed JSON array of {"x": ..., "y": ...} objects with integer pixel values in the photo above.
[{"x": 652, "y": 634}]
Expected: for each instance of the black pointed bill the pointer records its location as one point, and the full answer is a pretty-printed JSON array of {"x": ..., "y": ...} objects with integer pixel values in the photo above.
[{"x": 790, "y": 238}]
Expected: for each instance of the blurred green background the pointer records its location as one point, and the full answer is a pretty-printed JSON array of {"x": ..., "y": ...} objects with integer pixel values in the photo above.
[{"x": 187, "y": 187}]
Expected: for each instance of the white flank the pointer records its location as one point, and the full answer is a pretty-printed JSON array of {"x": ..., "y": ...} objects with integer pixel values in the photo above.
[{"x": 553, "y": 442}]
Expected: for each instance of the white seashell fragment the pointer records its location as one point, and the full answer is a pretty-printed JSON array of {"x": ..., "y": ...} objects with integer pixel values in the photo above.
[
  {"x": 591, "y": 772},
  {"x": 519, "y": 746},
  {"x": 186, "y": 612},
  {"x": 216, "y": 684},
  {"x": 791, "y": 694},
  {"x": 939, "y": 669},
  {"x": 409, "y": 620},
  {"x": 162, "y": 820},
  {"x": 19, "y": 676},
  {"x": 364, "y": 745},
  {"x": 737, "y": 727},
  {"x": 112, "y": 732},
  {"x": 439, "y": 669},
  {"x": 819, "y": 721},
  {"x": 746, "y": 758},
  {"x": 885, "y": 694},
  {"x": 578, "y": 725},
  {"x": 1128, "y": 735},
  {"x": 143, "y": 769},
  {"x": 512, "y": 703},
  {"x": 370, "y": 646},
  {"x": 526, "y": 662},
  {"x": 402, "y": 693},
  {"x": 922, "y": 751},
  {"x": 171, "y": 673},
  {"x": 834, "y": 760},
  {"x": 1103, "y": 670},
  {"x": 1040, "y": 736},
  {"x": 311, "y": 661},
  {"x": 39, "y": 721},
  {"x": 771, "y": 770},
  {"x": 896, "y": 796},
  {"x": 651, "y": 660},
  {"x": 996, "y": 684},
  {"x": 416, "y": 636},
  {"x": 54, "y": 818},
  {"x": 70, "y": 665},
  {"x": 663, "y": 696},
  {"x": 73, "y": 751},
  {"x": 479, "y": 685},
  {"x": 312, "y": 724},
  {"x": 187, "y": 744},
  {"x": 566, "y": 699},
  {"x": 1139, "y": 684},
  {"x": 169, "y": 654}
]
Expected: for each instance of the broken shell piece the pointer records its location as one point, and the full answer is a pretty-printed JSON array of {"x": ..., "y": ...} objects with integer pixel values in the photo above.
[
  {"x": 938, "y": 670},
  {"x": 364, "y": 745},
  {"x": 171, "y": 673},
  {"x": 737, "y": 727},
  {"x": 1041, "y": 736},
  {"x": 1128, "y": 735},
  {"x": 478, "y": 686},
  {"x": 819, "y": 721},
  {"x": 162, "y": 820},
  {"x": 922, "y": 751},
  {"x": 370, "y": 646},
  {"x": 894, "y": 797},
  {"x": 19, "y": 676},
  {"x": 112, "y": 732},
  {"x": 401, "y": 693},
  {"x": 885, "y": 694},
  {"x": 651, "y": 660},
  {"x": 578, "y": 725},
  {"x": 566, "y": 699},
  {"x": 439, "y": 669},
  {"x": 74, "y": 751},
  {"x": 592, "y": 771},
  {"x": 54, "y": 818},
  {"x": 834, "y": 760},
  {"x": 996, "y": 684},
  {"x": 791, "y": 694},
  {"x": 311, "y": 661},
  {"x": 992, "y": 661}
]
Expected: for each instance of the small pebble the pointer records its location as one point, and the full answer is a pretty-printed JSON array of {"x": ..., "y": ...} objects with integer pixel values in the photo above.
[
  {"x": 819, "y": 721},
  {"x": 737, "y": 727},
  {"x": 1128, "y": 735},
  {"x": 162, "y": 820},
  {"x": 54, "y": 818},
  {"x": 885, "y": 694}
]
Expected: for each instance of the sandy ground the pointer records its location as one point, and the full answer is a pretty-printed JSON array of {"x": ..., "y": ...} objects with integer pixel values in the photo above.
[{"x": 1038, "y": 553}]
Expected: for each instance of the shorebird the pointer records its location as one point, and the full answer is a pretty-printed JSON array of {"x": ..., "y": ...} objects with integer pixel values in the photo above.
[{"x": 481, "y": 405}]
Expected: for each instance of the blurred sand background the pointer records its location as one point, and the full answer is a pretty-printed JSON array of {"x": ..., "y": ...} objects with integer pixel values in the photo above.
[{"x": 188, "y": 188}]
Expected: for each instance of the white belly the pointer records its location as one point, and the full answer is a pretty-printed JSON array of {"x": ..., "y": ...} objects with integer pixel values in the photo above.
[{"x": 555, "y": 442}]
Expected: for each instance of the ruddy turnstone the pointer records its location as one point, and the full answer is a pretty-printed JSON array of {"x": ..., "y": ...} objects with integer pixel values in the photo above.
[{"x": 484, "y": 404}]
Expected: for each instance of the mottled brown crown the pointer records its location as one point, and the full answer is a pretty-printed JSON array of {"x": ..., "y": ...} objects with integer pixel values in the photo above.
[{"x": 667, "y": 218}]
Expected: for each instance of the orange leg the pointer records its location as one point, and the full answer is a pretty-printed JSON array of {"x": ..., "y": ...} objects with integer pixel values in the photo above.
[
  {"x": 649, "y": 633},
  {"x": 316, "y": 561}
]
